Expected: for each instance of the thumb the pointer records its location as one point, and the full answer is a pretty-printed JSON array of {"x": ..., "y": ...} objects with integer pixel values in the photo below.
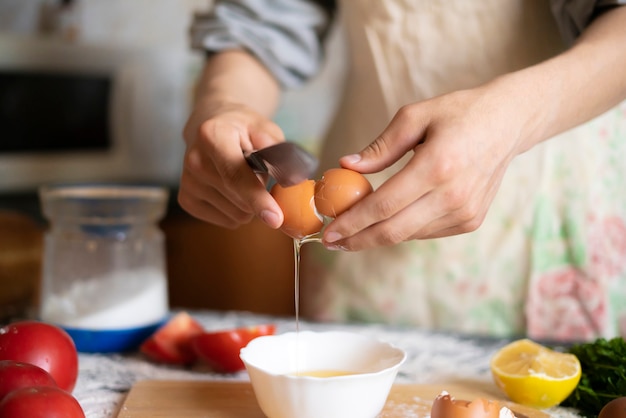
[{"x": 401, "y": 135}]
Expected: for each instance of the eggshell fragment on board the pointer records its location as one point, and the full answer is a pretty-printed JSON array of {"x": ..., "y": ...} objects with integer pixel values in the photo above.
[
  {"x": 338, "y": 190},
  {"x": 445, "y": 406},
  {"x": 614, "y": 409},
  {"x": 298, "y": 205}
]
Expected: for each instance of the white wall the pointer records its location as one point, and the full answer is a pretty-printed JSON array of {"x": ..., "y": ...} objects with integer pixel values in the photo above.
[
  {"x": 163, "y": 25},
  {"x": 114, "y": 22}
]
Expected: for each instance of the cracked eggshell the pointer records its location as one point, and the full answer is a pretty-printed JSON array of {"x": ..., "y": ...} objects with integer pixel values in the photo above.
[
  {"x": 338, "y": 190},
  {"x": 445, "y": 406},
  {"x": 298, "y": 206}
]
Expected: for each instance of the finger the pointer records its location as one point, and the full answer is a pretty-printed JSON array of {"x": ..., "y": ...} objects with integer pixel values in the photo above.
[
  {"x": 200, "y": 189},
  {"x": 424, "y": 172},
  {"x": 207, "y": 203},
  {"x": 449, "y": 210},
  {"x": 236, "y": 199},
  {"x": 208, "y": 213},
  {"x": 266, "y": 134},
  {"x": 391, "y": 231},
  {"x": 404, "y": 132},
  {"x": 246, "y": 190},
  {"x": 200, "y": 174},
  {"x": 467, "y": 218},
  {"x": 414, "y": 222},
  {"x": 464, "y": 220},
  {"x": 238, "y": 182}
]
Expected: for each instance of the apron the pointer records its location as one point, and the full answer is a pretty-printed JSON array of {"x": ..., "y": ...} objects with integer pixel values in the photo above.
[{"x": 549, "y": 260}]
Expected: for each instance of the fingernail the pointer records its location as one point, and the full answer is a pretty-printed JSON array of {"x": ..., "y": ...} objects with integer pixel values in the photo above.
[
  {"x": 337, "y": 247},
  {"x": 332, "y": 236},
  {"x": 352, "y": 158},
  {"x": 270, "y": 218}
]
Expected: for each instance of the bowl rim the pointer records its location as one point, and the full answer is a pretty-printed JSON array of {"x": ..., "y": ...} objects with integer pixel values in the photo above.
[{"x": 398, "y": 352}]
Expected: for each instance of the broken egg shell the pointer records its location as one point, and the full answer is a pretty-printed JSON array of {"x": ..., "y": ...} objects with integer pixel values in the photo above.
[
  {"x": 338, "y": 190},
  {"x": 445, "y": 406},
  {"x": 614, "y": 409},
  {"x": 298, "y": 205}
]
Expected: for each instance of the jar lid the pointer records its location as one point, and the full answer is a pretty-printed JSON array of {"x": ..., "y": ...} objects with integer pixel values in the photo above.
[{"x": 103, "y": 204}]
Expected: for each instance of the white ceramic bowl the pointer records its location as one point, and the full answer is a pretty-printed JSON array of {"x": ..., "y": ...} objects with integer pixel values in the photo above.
[{"x": 278, "y": 364}]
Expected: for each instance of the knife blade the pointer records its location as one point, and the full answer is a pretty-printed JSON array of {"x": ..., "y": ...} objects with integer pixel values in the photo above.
[{"x": 286, "y": 162}]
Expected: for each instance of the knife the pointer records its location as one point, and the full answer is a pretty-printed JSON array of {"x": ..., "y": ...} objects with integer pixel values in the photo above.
[{"x": 286, "y": 162}]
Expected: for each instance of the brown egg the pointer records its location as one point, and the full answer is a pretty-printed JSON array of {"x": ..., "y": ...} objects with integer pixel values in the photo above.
[
  {"x": 614, "y": 409},
  {"x": 338, "y": 190},
  {"x": 297, "y": 204},
  {"x": 445, "y": 406}
]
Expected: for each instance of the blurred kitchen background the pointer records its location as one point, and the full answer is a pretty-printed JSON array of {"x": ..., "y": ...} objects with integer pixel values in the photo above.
[{"x": 98, "y": 91}]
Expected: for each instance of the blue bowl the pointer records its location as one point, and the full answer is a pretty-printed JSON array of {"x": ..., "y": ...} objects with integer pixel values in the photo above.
[{"x": 110, "y": 340}]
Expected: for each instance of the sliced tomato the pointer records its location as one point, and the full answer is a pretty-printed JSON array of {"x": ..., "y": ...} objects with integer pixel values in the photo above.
[
  {"x": 171, "y": 343},
  {"x": 220, "y": 349}
]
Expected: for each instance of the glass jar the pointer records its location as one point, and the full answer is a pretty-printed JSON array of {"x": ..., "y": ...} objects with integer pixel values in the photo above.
[{"x": 104, "y": 270}]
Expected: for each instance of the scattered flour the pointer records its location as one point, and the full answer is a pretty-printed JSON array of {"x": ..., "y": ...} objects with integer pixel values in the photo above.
[{"x": 405, "y": 410}]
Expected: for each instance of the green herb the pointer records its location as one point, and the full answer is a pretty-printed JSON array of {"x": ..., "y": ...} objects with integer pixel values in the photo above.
[{"x": 603, "y": 377}]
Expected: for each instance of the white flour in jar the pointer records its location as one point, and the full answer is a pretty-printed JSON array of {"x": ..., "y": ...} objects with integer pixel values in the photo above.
[{"x": 123, "y": 299}]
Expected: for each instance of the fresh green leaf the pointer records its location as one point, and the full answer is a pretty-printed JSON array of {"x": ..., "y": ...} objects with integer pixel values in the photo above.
[{"x": 603, "y": 377}]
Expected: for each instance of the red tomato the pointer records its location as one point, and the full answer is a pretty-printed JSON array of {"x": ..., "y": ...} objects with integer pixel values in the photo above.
[
  {"x": 43, "y": 345},
  {"x": 40, "y": 402},
  {"x": 171, "y": 343},
  {"x": 220, "y": 350},
  {"x": 16, "y": 375}
]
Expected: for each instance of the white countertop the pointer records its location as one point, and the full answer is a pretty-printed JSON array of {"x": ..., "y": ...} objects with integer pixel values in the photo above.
[{"x": 104, "y": 380}]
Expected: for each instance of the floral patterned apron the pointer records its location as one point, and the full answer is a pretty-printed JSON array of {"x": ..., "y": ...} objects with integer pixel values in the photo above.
[{"x": 549, "y": 260}]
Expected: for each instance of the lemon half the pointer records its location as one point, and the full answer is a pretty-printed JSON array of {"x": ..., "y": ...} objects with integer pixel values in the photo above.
[{"x": 533, "y": 375}]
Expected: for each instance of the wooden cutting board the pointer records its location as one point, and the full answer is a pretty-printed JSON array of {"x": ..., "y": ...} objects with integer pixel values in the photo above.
[{"x": 230, "y": 399}]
